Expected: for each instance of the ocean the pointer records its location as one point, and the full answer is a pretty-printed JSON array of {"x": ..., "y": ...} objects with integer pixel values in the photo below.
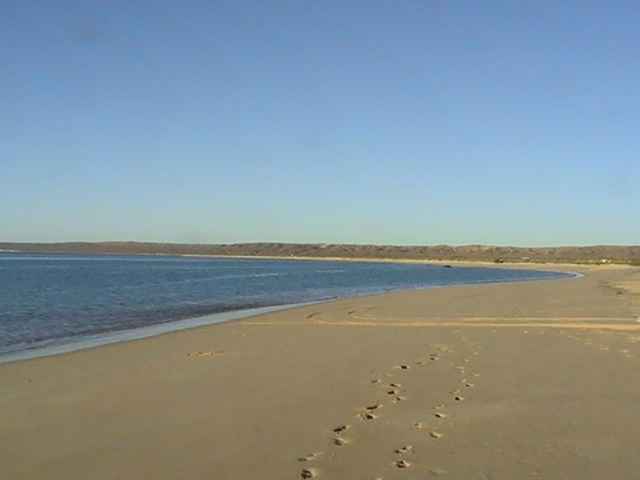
[{"x": 51, "y": 303}]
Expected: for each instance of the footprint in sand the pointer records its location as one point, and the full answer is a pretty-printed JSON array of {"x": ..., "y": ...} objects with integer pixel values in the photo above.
[
  {"x": 458, "y": 398},
  {"x": 402, "y": 464},
  {"x": 309, "y": 457},
  {"x": 439, "y": 415},
  {"x": 368, "y": 416},
  {"x": 308, "y": 473},
  {"x": 341, "y": 428},
  {"x": 435, "y": 435},
  {"x": 368, "y": 412},
  {"x": 405, "y": 449},
  {"x": 339, "y": 439}
]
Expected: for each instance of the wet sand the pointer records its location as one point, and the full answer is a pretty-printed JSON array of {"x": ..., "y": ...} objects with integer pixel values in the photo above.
[{"x": 504, "y": 381}]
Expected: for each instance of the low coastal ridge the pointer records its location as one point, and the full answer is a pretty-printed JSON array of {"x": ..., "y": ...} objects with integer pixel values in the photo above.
[{"x": 482, "y": 253}]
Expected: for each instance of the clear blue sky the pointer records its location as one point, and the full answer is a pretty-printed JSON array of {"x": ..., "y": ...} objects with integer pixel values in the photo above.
[{"x": 387, "y": 122}]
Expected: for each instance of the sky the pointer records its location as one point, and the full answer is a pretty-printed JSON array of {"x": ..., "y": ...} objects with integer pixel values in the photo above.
[{"x": 381, "y": 122}]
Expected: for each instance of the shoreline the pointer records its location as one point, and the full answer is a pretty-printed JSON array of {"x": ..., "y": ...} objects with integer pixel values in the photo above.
[
  {"x": 149, "y": 331},
  {"x": 72, "y": 344},
  {"x": 502, "y": 380}
]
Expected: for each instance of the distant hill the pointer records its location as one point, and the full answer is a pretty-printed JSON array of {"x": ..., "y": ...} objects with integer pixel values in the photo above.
[{"x": 592, "y": 254}]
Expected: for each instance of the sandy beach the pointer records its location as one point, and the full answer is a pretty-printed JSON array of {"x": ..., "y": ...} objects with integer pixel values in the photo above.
[{"x": 498, "y": 381}]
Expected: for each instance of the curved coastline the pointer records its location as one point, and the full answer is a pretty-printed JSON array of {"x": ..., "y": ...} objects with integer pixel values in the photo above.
[
  {"x": 510, "y": 379},
  {"x": 72, "y": 344}
]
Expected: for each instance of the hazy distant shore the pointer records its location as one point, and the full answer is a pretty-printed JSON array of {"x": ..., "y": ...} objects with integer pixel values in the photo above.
[{"x": 481, "y": 253}]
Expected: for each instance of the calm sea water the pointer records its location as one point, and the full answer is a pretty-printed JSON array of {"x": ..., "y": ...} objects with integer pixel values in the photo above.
[{"x": 56, "y": 302}]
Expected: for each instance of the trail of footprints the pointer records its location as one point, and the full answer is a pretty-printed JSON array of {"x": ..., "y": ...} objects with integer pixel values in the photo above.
[
  {"x": 388, "y": 393},
  {"x": 595, "y": 340}
]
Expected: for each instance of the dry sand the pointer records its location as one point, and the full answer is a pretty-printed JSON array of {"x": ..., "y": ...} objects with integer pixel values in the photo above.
[{"x": 502, "y": 381}]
